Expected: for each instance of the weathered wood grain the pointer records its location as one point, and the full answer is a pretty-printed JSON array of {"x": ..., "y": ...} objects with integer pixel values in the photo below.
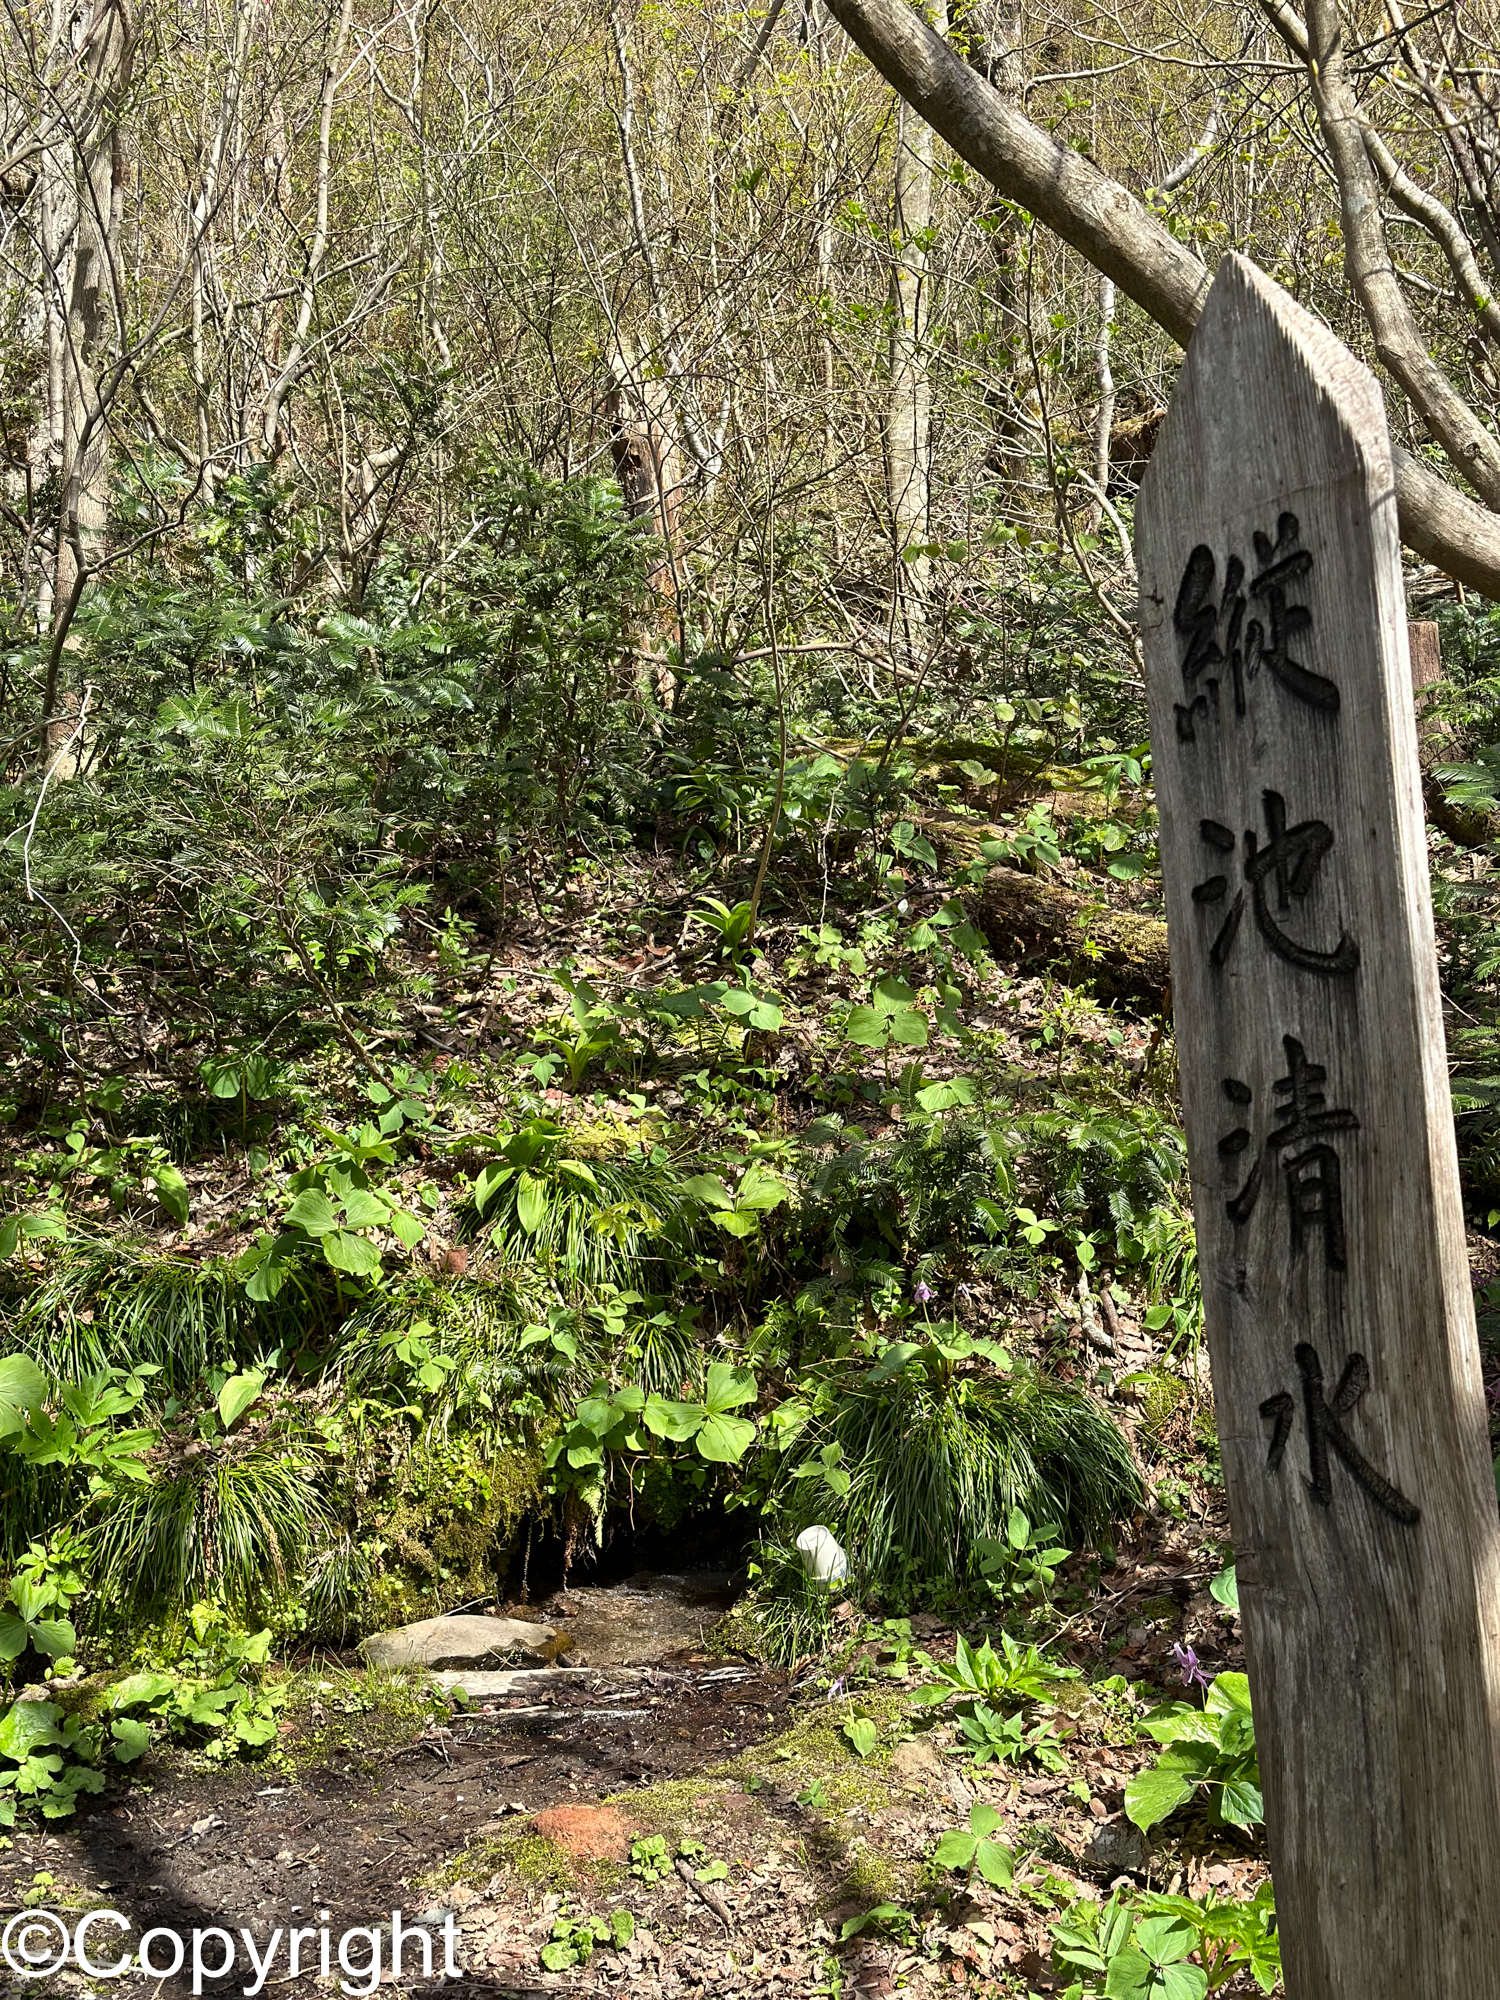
[{"x": 1346, "y": 1369}]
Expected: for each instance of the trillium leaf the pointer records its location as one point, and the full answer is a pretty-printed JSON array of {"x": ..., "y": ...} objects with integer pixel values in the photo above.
[
  {"x": 955, "y": 1849},
  {"x": 352, "y": 1254},
  {"x": 1151, "y": 1795},
  {"x": 866, "y": 1027},
  {"x": 996, "y": 1863},
  {"x": 313, "y": 1212},
  {"x": 363, "y": 1210},
  {"x": 725, "y": 1440},
  {"x": 728, "y": 1387},
  {"x": 909, "y": 1028},
  {"x": 55, "y": 1637}
]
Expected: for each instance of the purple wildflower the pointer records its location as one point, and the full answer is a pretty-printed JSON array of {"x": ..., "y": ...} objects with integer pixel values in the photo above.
[
  {"x": 1192, "y": 1673},
  {"x": 921, "y": 1293},
  {"x": 836, "y": 1689}
]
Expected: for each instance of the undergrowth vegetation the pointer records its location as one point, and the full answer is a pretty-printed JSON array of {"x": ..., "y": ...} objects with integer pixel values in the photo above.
[{"x": 469, "y": 1088}]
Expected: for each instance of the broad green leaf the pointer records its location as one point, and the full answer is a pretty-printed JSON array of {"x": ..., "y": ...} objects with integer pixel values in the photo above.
[
  {"x": 1164, "y": 1938},
  {"x": 1182, "y": 1982},
  {"x": 862, "y": 1733},
  {"x": 724, "y": 1440},
  {"x": 676, "y": 1421},
  {"x": 22, "y": 1384},
  {"x": 238, "y": 1393},
  {"x": 364, "y": 1210},
  {"x": 708, "y": 1188},
  {"x": 531, "y": 1202},
  {"x": 909, "y": 1028},
  {"x": 1225, "y": 1588},
  {"x": 55, "y": 1637},
  {"x": 738, "y": 1225},
  {"x": 313, "y": 1212},
  {"x": 955, "y": 1849},
  {"x": 1227, "y": 1694},
  {"x": 866, "y": 1027},
  {"x": 1151, "y": 1795},
  {"x": 353, "y": 1254},
  {"x": 983, "y": 1819},
  {"x": 943, "y": 1096},
  {"x": 728, "y": 1387},
  {"x": 881, "y": 1914},
  {"x": 406, "y": 1228},
  {"x": 1131, "y": 1976},
  {"x": 996, "y": 1863},
  {"x": 14, "y": 1634},
  {"x": 27, "y": 1727},
  {"x": 596, "y": 1414},
  {"x": 131, "y": 1738},
  {"x": 172, "y": 1192},
  {"x": 893, "y": 994},
  {"x": 148, "y": 1687},
  {"x": 10, "y": 1236},
  {"x": 1241, "y": 1803}
]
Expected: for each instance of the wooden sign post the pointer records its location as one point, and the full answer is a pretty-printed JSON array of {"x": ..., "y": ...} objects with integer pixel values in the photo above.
[{"x": 1320, "y": 1135}]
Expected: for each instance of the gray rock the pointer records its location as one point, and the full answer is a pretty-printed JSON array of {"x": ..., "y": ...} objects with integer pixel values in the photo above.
[
  {"x": 483, "y": 1684},
  {"x": 1117, "y": 1848},
  {"x": 456, "y": 1642}
]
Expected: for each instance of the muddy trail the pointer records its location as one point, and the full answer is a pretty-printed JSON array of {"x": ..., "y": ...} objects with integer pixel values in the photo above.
[
  {"x": 648, "y": 1819},
  {"x": 379, "y": 1816}
]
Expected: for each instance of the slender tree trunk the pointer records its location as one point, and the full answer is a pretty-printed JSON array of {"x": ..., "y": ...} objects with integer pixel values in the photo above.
[
  {"x": 1104, "y": 416},
  {"x": 86, "y": 213},
  {"x": 909, "y": 418}
]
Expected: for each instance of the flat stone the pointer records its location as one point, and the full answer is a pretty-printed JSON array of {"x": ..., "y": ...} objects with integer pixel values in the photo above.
[
  {"x": 483, "y": 1684},
  {"x": 1117, "y": 1848},
  {"x": 456, "y": 1642}
]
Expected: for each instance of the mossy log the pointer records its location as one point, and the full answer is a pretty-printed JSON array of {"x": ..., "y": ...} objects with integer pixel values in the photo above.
[
  {"x": 1015, "y": 777},
  {"x": 1038, "y": 924}
]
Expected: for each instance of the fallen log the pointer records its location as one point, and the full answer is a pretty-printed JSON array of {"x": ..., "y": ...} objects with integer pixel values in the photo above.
[{"x": 1031, "y": 922}]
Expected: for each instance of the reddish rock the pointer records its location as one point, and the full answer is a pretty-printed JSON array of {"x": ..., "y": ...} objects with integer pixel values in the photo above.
[{"x": 588, "y": 1833}]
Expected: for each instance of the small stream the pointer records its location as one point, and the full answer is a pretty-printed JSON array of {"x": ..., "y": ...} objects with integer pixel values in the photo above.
[{"x": 649, "y": 1618}]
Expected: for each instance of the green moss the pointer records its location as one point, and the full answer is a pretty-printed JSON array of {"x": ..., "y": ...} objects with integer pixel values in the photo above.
[
  {"x": 527, "y": 1855},
  {"x": 871, "y": 1878},
  {"x": 446, "y": 1533},
  {"x": 676, "y": 1806},
  {"x": 337, "y": 1713}
]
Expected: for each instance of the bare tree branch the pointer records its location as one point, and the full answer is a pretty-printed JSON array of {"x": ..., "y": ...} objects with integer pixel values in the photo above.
[
  {"x": 1119, "y": 236},
  {"x": 1367, "y": 259}
]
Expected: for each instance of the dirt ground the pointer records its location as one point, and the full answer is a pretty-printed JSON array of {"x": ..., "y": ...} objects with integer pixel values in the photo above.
[{"x": 506, "y": 1831}]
